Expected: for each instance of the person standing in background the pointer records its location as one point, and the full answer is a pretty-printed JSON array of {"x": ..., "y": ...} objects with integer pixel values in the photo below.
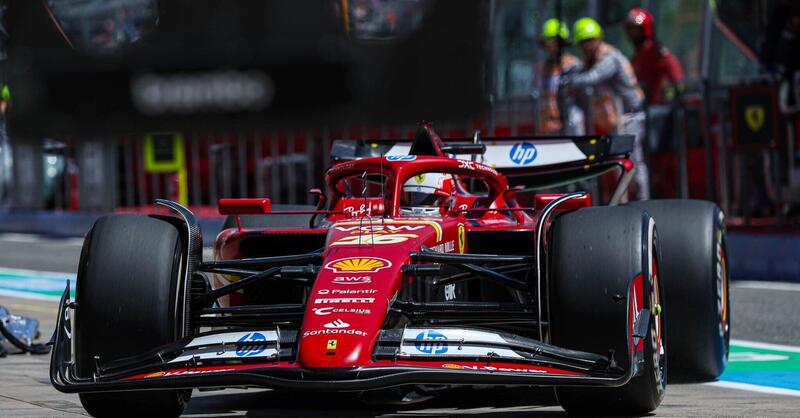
[
  {"x": 658, "y": 71},
  {"x": 554, "y": 39},
  {"x": 610, "y": 75}
]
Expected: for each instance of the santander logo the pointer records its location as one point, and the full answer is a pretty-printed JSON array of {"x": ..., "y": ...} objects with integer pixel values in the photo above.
[{"x": 337, "y": 324}]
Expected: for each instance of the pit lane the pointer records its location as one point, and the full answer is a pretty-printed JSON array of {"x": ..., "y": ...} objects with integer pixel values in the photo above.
[{"x": 759, "y": 314}]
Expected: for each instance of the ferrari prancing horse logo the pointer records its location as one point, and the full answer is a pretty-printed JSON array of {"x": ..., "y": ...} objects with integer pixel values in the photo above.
[{"x": 754, "y": 115}]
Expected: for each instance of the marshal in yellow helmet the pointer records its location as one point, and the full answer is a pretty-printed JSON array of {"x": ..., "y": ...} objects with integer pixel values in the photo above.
[
  {"x": 587, "y": 28},
  {"x": 554, "y": 28}
]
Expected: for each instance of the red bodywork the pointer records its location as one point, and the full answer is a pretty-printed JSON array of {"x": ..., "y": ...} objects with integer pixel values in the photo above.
[
  {"x": 363, "y": 255},
  {"x": 363, "y": 293}
]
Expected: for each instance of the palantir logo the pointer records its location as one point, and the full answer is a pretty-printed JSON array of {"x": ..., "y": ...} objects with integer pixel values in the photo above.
[
  {"x": 523, "y": 153},
  {"x": 251, "y": 344},
  {"x": 431, "y": 347}
]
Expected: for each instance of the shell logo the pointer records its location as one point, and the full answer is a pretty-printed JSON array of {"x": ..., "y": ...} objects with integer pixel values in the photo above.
[{"x": 358, "y": 265}]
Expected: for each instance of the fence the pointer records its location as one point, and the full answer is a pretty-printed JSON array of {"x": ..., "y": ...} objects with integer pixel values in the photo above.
[{"x": 693, "y": 157}]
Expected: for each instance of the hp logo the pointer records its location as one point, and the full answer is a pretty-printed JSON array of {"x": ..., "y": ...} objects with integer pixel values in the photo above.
[
  {"x": 431, "y": 347},
  {"x": 523, "y": 153},
  {"x": 251, "y": 344}
]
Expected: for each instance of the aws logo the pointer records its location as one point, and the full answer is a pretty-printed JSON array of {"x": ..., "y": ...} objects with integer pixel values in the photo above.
[{"x": 358, "y": 265}]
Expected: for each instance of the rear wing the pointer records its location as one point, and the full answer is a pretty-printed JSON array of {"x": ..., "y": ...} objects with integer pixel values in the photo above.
[{"x": 535, "y": 161}]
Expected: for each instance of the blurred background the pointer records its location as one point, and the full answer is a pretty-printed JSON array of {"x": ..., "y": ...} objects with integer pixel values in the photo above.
[{"x": 109, "y": 104}]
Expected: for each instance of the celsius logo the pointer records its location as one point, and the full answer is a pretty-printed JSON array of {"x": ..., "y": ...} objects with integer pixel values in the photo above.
[
  {"x": 428, "y": 345},
  {"x": 337, "y": 324},
  {"x": 329, "y": 310},
  {"x": 251, "y": 344},
  {"x": 523, "y": 153}
]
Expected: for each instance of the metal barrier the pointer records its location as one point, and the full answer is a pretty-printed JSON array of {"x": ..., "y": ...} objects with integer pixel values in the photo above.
[{"x": 284, "y": 164}]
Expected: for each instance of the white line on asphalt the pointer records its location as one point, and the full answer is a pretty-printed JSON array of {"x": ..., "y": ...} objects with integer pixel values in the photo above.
[
  {"x": 36, "y": 273},
  {"x": 756, "y": 388},
  {"x": 27, "y": 295},
  {"x": 766, "y": 346},
  {"x": 32, "y": 238},
  {"x": 12, "y": 237},
  {"x": 791, "y": 287}
]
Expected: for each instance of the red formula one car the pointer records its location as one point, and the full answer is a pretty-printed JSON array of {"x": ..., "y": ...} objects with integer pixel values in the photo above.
[{"x": 421, "y": 270}]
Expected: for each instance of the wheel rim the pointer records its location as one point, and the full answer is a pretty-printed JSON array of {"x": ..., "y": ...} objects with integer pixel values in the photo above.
[
  {"x": 721, "y": 293},
  {"x": 656, "y": 329}
]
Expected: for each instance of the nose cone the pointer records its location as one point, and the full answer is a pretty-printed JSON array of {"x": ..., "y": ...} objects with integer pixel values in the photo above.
[
  {"x": 350, "y": 297},
  {"x": 346, "y": 309}
]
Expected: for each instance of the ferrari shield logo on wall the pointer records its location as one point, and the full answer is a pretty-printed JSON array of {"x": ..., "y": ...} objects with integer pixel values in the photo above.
[{"x": 754, "y": 115}]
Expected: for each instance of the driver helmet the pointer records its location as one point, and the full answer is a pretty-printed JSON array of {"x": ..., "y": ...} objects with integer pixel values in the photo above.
[{"x": 424, "y": 194}]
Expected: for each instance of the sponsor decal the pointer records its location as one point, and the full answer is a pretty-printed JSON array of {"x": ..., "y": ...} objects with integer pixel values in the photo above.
[
  {"x": 363, "y": 210},
  {"x": 331, "y": 346},
  {"x": 431, "y": 347},
  {"x": 338, "y": 323},
  {"x": 335, "y": 331},
  {"x": 523, "y": 153},
  {"x": 462, "y": 238},
  {"x": 387, "y": 222},
  {"x": 378, "y": 229},
  {"x": 445, "y": 247},
  {"x": 450, "y": 291},
  {"x": 358, "y": 265},
  {"x": 331, "y": 310},
  {"x": 470, "y": 165},
  {"x": 419, "y": 178},
  {"x": 466, "y": 164},
  {"x": 454, "y": 366},
  {"x": 341, "y": 167},
  {"x": 343, "y": 300},
  {"x": 185, "y": 372},
  {"x": 374, "y": 239},
  {"x": 347, "y": 292},
  {"x": 251, "y": 344},
  {"x": 401, "y": 157},
  {"x": 352, "y": 280}
]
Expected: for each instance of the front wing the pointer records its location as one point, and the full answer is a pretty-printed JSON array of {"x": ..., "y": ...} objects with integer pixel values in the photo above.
[{"x": 264, "y": 358}]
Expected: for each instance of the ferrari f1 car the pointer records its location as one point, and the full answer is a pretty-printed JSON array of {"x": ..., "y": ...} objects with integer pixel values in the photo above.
[{"x": 429, "y": 265}]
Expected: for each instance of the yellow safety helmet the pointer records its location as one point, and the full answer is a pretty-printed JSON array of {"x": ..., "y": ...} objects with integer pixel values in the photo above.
[{"x": 587, "y": 28}]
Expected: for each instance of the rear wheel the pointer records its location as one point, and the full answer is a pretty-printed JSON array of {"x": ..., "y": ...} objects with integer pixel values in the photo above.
[
  {"x": 696, "y": 281},
  {"x": 603, "y": 273},
  {"x": 130, "y": 300}
]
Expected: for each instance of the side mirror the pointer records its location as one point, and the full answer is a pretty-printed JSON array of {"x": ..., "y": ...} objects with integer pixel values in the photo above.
[{"x": 321, "y": 200}]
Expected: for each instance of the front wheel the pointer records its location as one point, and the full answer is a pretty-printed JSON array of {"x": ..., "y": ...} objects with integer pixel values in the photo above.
[
  {"x": 604, "y": 282},
  {"x": 130, "y": 300}
]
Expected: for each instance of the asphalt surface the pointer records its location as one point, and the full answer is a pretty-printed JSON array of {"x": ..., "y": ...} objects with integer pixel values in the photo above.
[{"x": 763, "y": 315}]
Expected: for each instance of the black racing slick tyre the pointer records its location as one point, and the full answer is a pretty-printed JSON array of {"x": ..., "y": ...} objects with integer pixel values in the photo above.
[
  {"x": 692, "y": 234},
  {"x": 603, "y": 281},
  {"x": 129, "y": 301}
]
